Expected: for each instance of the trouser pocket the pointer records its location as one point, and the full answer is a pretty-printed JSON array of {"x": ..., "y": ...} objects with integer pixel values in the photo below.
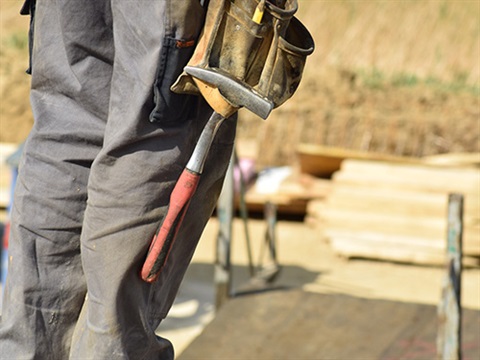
[
  {"x": 171, "y": 108},
  {"x": 28, "y": 8}
]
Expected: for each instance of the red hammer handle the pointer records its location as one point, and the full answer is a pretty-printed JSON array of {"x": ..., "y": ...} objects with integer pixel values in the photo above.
[{"x": 164, "y": 238}]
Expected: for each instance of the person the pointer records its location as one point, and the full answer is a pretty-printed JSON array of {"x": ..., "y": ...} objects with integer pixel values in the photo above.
[{"x": 108, "y": 144}]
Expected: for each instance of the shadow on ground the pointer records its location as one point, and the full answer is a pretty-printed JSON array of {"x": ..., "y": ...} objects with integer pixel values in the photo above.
[{"x": 195, "y": 302}]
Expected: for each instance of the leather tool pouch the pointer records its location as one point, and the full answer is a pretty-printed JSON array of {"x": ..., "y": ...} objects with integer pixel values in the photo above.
[{"x": 267, "y": 57}]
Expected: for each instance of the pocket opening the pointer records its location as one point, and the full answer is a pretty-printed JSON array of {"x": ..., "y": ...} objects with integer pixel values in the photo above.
[
  {"x": 297, "y": 39},
  {"x": 172, "y": 108},
  {"x": 28, "y": 8}
]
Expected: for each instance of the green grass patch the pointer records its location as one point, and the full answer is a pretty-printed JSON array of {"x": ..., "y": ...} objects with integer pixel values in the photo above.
[
  {"x": 15, "y": 41},
  {"x": 403, "y": 79},
  {"x": 376, "y": 79}
]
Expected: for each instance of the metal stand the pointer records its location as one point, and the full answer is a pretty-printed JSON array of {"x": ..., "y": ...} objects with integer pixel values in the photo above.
[
  {"x": 223, "y": 271},
  {"x": 267, "y": 269},
  {"x": 450, "y": 310}
]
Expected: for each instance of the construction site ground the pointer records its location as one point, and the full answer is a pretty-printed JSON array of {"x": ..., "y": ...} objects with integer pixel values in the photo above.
[{"x": 309, "y": 264}]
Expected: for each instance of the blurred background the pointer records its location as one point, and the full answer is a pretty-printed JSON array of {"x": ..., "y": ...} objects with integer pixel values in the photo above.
[
  {"x": 401, "y": 77},
  {"x": 385, "y": 124}
]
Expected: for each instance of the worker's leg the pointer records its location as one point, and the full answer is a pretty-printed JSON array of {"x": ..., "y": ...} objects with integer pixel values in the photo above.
[
  {"x": 131, "y": 180},
  {"x": 131, "y": 177},
  {"x": 45, "y": 288}
]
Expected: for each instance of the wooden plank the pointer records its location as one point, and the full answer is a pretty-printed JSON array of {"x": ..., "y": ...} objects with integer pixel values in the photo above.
[
  {"x": 407, "y": 249},
  {"x": 356, "y": 225},
  {"x": 428, "y": 228},
  {"x": 391, "y": 221},
  {"x": 323, "y": 161},
  {"x": 340, "y": 218},
  {"x": 413, "y": 177},
  {"x": 398, "y": 201},
  {"x": 301, "y": 325},
  {"x": 291, "y": 197},
  {"x": 453, "y": 159},
  {"x": 397, "y": 211},
  {"x": 371, "y": 245},
  {"x": 286, "y": 205}
]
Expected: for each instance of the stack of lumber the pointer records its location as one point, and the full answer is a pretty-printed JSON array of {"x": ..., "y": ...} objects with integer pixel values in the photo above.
[
  {"x": 397, "y": 212},
  {"x": 323, "y": 161}
]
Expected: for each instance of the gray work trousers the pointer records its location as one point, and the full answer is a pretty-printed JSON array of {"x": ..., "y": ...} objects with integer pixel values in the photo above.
[{"x": 108, "y": 144}]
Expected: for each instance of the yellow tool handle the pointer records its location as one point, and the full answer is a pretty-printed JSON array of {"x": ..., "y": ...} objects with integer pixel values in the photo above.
[{"x": 258, "y": 15}]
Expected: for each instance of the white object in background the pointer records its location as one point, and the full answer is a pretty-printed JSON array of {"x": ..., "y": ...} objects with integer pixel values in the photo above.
[{"x": 269, "y": 180}]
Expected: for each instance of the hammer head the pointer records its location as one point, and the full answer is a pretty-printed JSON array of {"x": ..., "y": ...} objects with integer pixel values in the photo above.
[{"x": 236, "y": 92}]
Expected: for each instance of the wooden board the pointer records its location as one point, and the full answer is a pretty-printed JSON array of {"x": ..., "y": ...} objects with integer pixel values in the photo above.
[
  {"x": 399, "y": 248},
  {"x": 431, "y": 229},
  {"x": 285, "y": 205},
  {"x": 323, "y": 161},
  {"x": 291, "y": 197},
  {"x": 397, "y": 211},
  {"x": 399, "y": 201},
  {"x": 301, "y": 325},
  {"x": 454, "y": 159},
  {"x": 410, "y": 177}
]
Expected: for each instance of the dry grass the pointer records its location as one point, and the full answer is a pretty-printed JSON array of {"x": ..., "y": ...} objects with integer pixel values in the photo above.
[
  {"x": 15, "y": 114},
  {"x": 398, "y": 77},
  {"x": 429, "y": 38},
  {"x": 395, "y": 76}
]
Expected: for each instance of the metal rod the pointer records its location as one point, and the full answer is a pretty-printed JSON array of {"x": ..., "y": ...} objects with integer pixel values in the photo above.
[
  {"x": 197, "y": 160},
  {"x": 244, "y": 214},
  {"x": 449, "y": 310},
  {"x": 223, "y": 268}
]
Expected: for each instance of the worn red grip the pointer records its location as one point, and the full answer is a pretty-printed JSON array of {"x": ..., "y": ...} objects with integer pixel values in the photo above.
[{"x": 164, "y": 238}]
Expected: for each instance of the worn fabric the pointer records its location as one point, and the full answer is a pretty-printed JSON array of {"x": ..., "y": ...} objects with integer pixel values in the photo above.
[{"x": 108, "y": 143}]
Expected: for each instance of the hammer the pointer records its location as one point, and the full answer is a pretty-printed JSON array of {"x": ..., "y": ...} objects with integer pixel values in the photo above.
[{"x": 235, "y": 94}]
